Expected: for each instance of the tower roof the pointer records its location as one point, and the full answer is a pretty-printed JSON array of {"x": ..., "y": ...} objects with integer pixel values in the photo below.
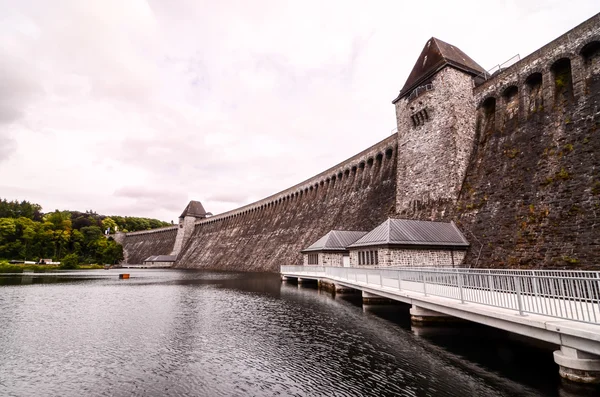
[
  {"x": 435, "y": 55},
  {"x": 405, "y": 232},
  {"x": 335, "y": 240},
  {"x": 194, "y": 208}
]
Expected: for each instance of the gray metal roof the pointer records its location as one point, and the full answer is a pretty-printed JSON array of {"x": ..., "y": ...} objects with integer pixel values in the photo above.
[
  {"x": 161, "y": 258},
  {"x": 335, "y": 240},
  {"x": 414, "y": 233},
  {"x": 194, "y": 208}
]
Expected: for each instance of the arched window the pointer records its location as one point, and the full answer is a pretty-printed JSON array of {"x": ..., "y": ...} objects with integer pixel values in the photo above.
[
  {"x": 563, "y": 82},
  {"x": 534, "y": 97},
  {"x": 510, "y": 98},
  {"x": 486, "y": 116},
  {"x": 591, "y": 62},
  {"x": 388, "y": 153}
]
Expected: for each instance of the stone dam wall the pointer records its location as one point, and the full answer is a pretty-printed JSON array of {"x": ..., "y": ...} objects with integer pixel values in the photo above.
[
  {"x": 357, "y": 194},
  {"x": 513, "y": 159},
  {"x": 531, "y": 195},
  {"x": 138, "y": 246}
]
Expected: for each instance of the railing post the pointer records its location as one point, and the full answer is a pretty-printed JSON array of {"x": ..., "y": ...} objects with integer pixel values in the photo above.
[
  {"x": 490, "y": 281},
  {"x": 424, "y": 284},
  {"x": 518, "y": 288},
  {"x": 460, "y": 287},
  {"x": 399, "y": 281},
  {"x": 597, "y": 290},
  {"x": 535, "y": 283}
]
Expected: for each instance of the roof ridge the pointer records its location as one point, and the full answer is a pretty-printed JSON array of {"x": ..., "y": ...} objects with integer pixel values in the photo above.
[{"x": 389, "y": 231}]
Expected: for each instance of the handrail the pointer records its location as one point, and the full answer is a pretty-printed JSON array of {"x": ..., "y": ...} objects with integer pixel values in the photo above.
[
  {"x": 566, "y": 294},
  {"x": 419, "y": 90}
]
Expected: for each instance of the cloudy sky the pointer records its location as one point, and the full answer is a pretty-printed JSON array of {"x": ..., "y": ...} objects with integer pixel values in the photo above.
[{"x": 134, "y": 107}]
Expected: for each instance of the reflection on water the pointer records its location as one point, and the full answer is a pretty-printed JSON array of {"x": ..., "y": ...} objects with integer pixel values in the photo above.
[{"x": 166, "y": 332}]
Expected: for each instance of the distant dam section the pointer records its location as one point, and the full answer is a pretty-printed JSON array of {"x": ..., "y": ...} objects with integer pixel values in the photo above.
[{"x": 138, "y": 246}]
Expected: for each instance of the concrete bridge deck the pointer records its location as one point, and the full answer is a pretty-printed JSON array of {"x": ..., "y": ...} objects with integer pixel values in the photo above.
[{"x": 562, "y": 308}]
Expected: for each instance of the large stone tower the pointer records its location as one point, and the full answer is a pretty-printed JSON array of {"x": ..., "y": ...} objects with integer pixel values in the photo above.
[
  {"x": 194, "y": 210},
  {"x": 435, "y": 112}
]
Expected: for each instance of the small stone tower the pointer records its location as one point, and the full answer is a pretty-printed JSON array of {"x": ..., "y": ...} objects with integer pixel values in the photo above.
[
  {"x": 187, "y": 220},
  {"x": 435, "y": 112}
]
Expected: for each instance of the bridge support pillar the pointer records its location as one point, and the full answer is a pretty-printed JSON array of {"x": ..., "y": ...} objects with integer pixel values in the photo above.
[
  {"x": 285, "y": 278},
  {"x": 578, "y": 366},
  {"x": 338, "y": 289},
  {"x": 305, "y": 281},
  {"x": 372, "y": 299},
  {"x": 343, "y": 290},
  {"x": 421, "y": 316}
]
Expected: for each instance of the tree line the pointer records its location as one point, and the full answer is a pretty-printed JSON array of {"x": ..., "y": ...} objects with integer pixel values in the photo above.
[{"x": 26, "y": 233}]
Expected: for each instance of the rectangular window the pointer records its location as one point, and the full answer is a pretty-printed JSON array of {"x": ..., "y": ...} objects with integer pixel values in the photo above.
[
  {"x": 313, "y": 259},
  {"x": 368, "y": 258}
]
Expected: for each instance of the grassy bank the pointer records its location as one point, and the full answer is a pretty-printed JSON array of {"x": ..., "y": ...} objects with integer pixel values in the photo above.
[{"x": 6, "y": 267}]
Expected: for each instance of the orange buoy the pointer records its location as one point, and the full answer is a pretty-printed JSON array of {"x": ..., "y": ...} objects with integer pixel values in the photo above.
[{"x": 124, "y": 276}]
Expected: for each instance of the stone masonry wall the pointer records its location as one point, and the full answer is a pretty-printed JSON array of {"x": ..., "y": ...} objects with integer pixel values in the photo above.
[
  {"x": 531, "y": 197},
  {"x": 435, "y": 139},
  {"x": 325, "y": 259},
  {"x": 420, "y": 258},
  {"x": 137, "y": 246},
  {"x": 330, "y": 259},
  {"x": 357, "y": 194},
  {"x": 413, "y": 258}
]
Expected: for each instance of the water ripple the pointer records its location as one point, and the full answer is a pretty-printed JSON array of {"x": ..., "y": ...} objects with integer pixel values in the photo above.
[{"x": 177, "y": 333}]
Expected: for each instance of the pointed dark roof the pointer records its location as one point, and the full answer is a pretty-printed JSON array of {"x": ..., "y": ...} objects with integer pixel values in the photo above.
[
  {"x": 414, "y": 233},
  {"x": 194, "y": 208},
  {"x": 435, "y": 55},
  {"x": 335, "y": 240}
]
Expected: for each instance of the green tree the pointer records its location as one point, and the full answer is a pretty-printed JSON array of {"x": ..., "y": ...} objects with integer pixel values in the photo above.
[
  {"x": 109, "y": 223},
  {"x": 70, "y": 261}
]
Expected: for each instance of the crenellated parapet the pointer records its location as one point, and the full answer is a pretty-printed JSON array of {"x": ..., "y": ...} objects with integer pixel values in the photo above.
[
  {"x": 557, "y": 75},
  {"x": 357, "y": 169}
]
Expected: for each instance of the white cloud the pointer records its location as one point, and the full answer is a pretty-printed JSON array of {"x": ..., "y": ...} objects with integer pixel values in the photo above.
[{"x": 136, "y": 107}]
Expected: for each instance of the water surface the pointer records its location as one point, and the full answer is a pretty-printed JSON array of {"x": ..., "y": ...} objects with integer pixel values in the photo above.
[{"x": 182, "y": 333}]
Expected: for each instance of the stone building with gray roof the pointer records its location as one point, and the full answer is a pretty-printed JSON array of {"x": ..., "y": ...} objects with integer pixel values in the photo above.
[
  {"x": 410, "y": 243},
  {"x": 331, "y": 249}
]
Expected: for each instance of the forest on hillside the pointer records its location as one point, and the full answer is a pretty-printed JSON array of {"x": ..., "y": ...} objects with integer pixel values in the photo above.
[{"x": 27, "y": 233}]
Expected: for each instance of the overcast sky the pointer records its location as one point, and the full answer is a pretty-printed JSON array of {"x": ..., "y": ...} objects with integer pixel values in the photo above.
[{"x": 133, "y": 107}]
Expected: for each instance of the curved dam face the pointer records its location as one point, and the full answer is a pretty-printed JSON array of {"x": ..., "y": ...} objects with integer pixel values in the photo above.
[
  {"x": 357, "y": 194},
  {"x": 138, "y": 246}
]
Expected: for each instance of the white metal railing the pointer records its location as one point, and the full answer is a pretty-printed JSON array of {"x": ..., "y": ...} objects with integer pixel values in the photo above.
[
  {"x": 498, "y": 68},
  {"x": 567, "y": 294}
]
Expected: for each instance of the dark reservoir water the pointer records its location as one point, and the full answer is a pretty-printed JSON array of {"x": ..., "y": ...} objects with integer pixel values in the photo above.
[{"x": 184, "y": 333}]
